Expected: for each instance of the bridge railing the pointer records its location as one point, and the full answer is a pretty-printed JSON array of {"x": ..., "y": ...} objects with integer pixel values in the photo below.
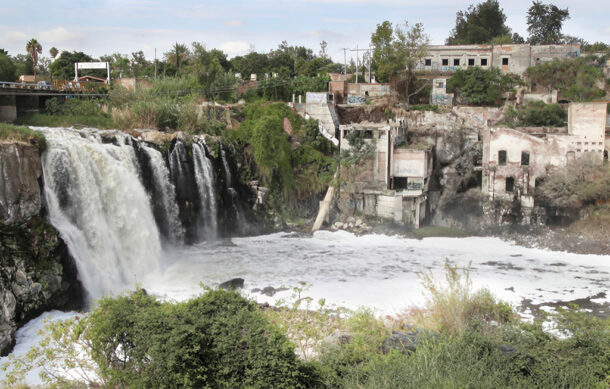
[{"x": 57, "y": 85}]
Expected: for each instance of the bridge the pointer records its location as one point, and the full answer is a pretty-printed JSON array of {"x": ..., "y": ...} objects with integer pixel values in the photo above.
[{"x": 19, "y": 98}]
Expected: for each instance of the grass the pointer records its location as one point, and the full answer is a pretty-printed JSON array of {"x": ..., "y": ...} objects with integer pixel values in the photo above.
[
  {"x": 46, "y": 120},
  {"x": 444, "y": 232},
  {"x": 16, "y": 133}
]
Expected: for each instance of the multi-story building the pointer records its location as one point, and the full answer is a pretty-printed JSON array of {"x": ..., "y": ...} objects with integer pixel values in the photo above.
[{"x": 510, "y": 58}]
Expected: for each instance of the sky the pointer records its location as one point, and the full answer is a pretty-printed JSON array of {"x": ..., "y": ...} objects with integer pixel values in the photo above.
[{"x": 239, "y": 26}]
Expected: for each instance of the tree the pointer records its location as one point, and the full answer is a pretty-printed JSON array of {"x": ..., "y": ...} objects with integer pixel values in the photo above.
[
  {"x": 479, "y": 24},
  {"x": 63, "y": 67},
  {"x": 411, "y": 47},
  {"x": 544, "y": 23},
  {"x": 119, "y": 64},
  {"x": 384, "y": 61},
  {"x": 323, "y": 47},
  {"x": 177, "y": 55},
  {"x": 7, "y": 68},
  {"x": 481, "y": 86},
  {"x": 33, "y": 48},
  {"x": 53, "y": 52}
]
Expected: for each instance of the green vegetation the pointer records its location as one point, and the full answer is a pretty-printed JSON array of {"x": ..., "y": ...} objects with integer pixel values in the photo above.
[
  {"x": 15, "y": 133},
  {"x": 583, "y": 182},
  {"x": 396, "y": 49},
  {"x": 576, "y": 79},
  {"x": 216, "y": 340},
  {"x": 483, "y": 23},
  {"x": 537, "y": 114},
  {"x": 424, "y": 107},
  {"x": 45, "y": 120},
  {"x": 544, "y": 23},
  {"x": 480, "y": 86},
  {"x": 7, "y": 68},
  {"x": 460, "y": 338},
  {"x": 287, "y": 154}
]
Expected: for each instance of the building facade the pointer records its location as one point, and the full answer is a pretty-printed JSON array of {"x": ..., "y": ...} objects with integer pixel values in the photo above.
[
  {"x": 514, "y": 159},
  {"x": 511, "y": 58}
]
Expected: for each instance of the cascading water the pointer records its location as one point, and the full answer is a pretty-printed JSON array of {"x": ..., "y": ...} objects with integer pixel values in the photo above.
[
  {"x": 98, "y": 203},
  {"x": 240, "y": 221},
  {"x": 167, "y": 195},
  {"x": 204, "y": 176}
]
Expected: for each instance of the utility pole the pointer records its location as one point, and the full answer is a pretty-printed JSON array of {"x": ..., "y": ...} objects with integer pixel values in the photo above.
[
  {"x": 357, "y": 63},
  {"x": 155, "y": 64},
  {"x": 345, "y": 64},
  {"x": 357, "y": 50}
]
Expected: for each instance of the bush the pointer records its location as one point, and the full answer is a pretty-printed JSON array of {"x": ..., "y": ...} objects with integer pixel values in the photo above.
[
  {"x": 294, "y": 167},
  {"x": 575, "y": 78},
  {"x": 538, "y": 114},
  {"x": 480, "y": 86},
  {"x": 13, "y": 133},
  {"x": 216, "y": 340}
]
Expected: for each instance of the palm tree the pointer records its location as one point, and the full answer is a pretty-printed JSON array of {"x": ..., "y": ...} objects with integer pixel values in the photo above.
[
  {"x": 177, "y": 54},
  {"x": 53, "y": 51},
  {"x": 33, "y": 48}
]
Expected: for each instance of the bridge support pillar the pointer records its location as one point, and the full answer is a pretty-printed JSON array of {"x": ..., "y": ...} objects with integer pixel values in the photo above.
[
  {"x": 28, "y": 104},
  {"x": 8, "y": 108}
]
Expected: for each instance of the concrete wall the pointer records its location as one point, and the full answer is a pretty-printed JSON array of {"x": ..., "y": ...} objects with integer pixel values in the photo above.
[
  {"x": 547, "y": 98},
  {"x": 410, "y": 163},
  {"x": 588, "y": 120},
  {"x": 518, "y": 56},
  {"x": 316, "y": 97},
  {"x": 371, "y": 90}
]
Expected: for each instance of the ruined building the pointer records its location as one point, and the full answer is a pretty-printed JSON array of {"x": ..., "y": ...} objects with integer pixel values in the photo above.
[
  {"x": 514, "y": 159},
  {"x": 511, "y": 58},
  {"x": 393, "y": 184}
]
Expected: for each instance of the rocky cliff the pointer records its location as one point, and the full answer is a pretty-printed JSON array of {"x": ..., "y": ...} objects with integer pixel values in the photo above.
[{"x": 36, "y": 270}]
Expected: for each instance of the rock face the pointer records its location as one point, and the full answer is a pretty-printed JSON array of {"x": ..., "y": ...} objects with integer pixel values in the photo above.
[
  {"x": 36, "y": 274},
  {"x": 36, "y": 270},
  {"x": 20, "y": 170}
]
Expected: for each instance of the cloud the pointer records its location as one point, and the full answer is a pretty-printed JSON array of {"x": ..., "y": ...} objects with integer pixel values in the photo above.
[
  {"x": 233, "y": 23},
  {"x": 58, "y": 35},
  {"x": 233, "y": 48},
  {"x": 15, "y": 37}
]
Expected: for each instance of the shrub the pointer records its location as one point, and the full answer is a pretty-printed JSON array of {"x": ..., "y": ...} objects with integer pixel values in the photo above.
[
  {"x": 481, "y": 86},
  {"x": 10, "y": 132},
  {"x": 575, "y": 78},
  {"x": 215, "y": 340},
  {"x": 538, "y": 114}
]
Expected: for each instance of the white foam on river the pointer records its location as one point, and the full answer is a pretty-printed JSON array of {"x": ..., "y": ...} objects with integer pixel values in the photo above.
[{"x": 376, "y": 271}]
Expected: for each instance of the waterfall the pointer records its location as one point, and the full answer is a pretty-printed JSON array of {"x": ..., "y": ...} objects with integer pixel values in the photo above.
[
  {"x": 239, "y": 220},
  {"x": 96, "y": 200},
  {"x": 166, "y": 192},
  {"x": 204, "y": 176}
]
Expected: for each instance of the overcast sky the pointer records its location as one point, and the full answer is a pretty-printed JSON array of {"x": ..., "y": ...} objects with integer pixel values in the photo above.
[{"x": 238, "y": 26}]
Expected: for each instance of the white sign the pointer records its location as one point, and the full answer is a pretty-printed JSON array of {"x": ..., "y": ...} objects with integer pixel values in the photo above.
[{"x": 92, "y": 65}]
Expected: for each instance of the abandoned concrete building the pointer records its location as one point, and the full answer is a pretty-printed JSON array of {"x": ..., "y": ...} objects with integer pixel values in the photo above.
[
  {"x": 514, "y": 159},
  {"x": 356, "y": 93},
  {"x": 394, "y": 183},
  {"x": 510, "y": 58}
]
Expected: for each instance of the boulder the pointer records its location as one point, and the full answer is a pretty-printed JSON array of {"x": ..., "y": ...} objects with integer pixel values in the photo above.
[
  {"x": 337, "y": 338},
  {"x": 269, "y": 291},
  {"x": 406, "y": 341},
  {"x": 234, "y": 283}
]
